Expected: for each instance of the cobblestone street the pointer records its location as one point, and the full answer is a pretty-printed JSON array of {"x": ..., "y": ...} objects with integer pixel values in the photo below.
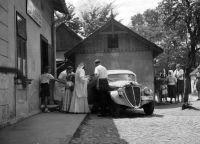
[{"x": 169, "y": 124}]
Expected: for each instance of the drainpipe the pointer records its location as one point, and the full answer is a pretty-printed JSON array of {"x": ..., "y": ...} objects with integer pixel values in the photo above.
[{"x": 53, "y": 27}]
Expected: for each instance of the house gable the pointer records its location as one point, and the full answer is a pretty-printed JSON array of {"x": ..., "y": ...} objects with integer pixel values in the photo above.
[
  {"x": 66, "y": 38},
  {"x": 127, "y": 41}
]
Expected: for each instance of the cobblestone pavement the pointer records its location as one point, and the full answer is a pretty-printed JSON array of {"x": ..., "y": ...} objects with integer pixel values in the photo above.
[{"x": 168, "y": 125}]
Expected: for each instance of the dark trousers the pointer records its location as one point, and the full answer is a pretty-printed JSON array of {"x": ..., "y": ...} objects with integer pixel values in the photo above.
[
  {"x": 44, "y": 94},
  {"x": 103, "y": 95}
]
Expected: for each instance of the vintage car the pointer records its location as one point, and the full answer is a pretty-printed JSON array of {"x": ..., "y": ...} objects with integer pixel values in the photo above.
[{"x": 126, "y": 92}]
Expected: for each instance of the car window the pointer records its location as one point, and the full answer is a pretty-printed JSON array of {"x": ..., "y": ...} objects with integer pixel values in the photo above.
[{"x": 121, "y": 77}]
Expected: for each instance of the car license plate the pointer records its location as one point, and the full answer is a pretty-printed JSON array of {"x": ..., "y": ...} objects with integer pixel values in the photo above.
[{"x": 147, "y": 97}]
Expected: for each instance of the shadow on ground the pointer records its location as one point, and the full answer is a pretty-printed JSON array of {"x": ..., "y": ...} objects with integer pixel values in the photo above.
[{"x": 97, "y": 130}]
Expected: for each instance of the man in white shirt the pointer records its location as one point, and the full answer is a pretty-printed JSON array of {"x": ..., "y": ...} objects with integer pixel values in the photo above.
[
  {"x": 102, "y": 85},
  {"x": 178, "y": 74}
]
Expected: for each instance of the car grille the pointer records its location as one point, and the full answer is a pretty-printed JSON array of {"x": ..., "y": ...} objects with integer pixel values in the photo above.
[
  {"x": 137, "y": 95},
  {"x": 133, "y": 95}
]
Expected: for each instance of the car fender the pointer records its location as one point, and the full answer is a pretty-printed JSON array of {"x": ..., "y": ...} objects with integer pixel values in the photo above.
[{"x": 119, "y": 99}]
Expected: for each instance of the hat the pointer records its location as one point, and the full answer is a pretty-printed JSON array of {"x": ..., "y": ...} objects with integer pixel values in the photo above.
[
  {"x": 97, "y": 61},
  {"x": 69, "y": 67},
  {"x": 178, "y": 65}
]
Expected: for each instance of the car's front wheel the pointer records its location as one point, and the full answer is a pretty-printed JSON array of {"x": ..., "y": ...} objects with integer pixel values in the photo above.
[{"x": 149, "y": 108}]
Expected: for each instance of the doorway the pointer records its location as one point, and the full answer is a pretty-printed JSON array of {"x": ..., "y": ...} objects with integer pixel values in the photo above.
[{"x": 44, "y": 53}]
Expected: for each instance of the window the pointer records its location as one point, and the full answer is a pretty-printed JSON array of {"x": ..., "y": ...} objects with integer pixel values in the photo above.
[
  {"x": 113, "y": 41},
  {"x": 21, "y": 44}
]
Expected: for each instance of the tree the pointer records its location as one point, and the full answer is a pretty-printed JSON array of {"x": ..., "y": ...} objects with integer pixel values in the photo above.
[
  {"x": 74, "y": 23},
  {"x": 183, "y": 16},
  {"x": 94, "y": 15},
  {"x": 150, "y": 26}
]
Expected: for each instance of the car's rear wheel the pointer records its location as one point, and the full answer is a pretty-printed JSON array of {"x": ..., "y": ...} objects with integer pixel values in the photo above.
[
  {"x": 114, "y": 109},
  {"x": 149, "y": 108}
]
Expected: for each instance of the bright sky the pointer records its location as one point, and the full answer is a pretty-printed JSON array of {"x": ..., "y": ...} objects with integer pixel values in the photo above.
[{"x": 125, "y": 8}]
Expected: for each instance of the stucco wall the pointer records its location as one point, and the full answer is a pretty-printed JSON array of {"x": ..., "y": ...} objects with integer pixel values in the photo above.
[
  {"x": 14, "y": 100},
  {"x": 140, "y": 62}
]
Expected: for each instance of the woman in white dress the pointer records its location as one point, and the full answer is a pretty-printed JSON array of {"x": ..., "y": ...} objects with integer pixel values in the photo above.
[
  {"x": 62, "y": 92},
  {"x": 68, "y": 89},
  {"x": 79, "y": 102}
]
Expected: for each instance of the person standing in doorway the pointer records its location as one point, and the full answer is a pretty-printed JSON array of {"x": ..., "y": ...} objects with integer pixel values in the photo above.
[
  {"x": 44, "y": 82},
  {"x": 102, "y": 85},
  {"x": 178, "y": 74}
]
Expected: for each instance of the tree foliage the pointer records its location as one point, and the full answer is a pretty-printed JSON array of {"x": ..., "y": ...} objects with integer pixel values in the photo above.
[
  {"x": 74, "y": 23},
  {"x": 150, "y": 26},
  {"x": 183, "y": 16},
  {"x": 94, "y": 15}
]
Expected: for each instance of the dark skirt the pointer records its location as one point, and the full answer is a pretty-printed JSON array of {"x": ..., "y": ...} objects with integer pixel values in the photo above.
[
  {"x": 180, "y": 86},
  {"x": 198, "y": 85},
  {"x": 172, "y": 91},
  {"x": 44, "y": 90}
]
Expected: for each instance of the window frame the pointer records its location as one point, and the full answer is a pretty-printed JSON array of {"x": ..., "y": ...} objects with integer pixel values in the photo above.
[
  {"x": 21, "y": 46},
  {"x": 113, "y": 40}
]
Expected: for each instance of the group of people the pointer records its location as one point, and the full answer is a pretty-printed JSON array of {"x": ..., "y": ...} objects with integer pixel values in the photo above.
[
  {"x": 170, "y": 84},
  {"x": 70, "y": 89}
]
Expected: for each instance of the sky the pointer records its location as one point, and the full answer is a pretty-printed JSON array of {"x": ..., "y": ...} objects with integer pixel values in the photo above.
[{"x": 125, "y": 8}]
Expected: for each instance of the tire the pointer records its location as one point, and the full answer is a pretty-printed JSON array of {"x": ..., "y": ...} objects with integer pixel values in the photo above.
[
  {"x": 114, "y": 109},
  {"x": 149, "y": 108}
]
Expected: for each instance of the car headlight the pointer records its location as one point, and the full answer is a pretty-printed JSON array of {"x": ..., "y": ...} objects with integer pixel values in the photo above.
[
  {"x": 120, "y": 91},
  {"x": 147, "y": 91}
]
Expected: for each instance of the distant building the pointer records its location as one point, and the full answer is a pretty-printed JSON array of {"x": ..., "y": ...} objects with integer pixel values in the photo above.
[
  {"x": 117, "y": 47},
  {"x": 26, "y": 39},
  {"x": 65, "y": 40}
]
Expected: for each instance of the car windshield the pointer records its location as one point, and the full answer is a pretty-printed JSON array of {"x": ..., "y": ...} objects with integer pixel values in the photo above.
[{"x": 121, "y": 77}]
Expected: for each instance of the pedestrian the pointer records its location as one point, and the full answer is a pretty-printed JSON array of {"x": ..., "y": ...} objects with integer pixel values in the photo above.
[
  {"x": 171, "y": 84},
  {"x": 157, "y": 85},
  {"x": 44, "y": 82},
  {"x": 102, "y": 86},
  {"x": 68, "y": 89},
  {"x": 163, "y": 76},
  {"x": 197, "y": 81},
  {"x": 59, "y": 89},
  {"x": 178, "y": 74},
  {"x": 164, "y": 90},
  {"x": 79, "y": 102},
  {"x": 187, "y": 87}
]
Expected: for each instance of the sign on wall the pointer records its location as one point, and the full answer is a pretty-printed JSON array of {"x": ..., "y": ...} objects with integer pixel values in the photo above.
[{"x": 34, "y": 13}]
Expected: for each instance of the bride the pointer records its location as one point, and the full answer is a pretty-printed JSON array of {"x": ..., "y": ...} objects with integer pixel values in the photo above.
[{"x": 79, "y": 102}]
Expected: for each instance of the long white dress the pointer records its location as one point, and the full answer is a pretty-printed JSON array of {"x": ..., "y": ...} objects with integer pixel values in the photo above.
[
  {"x": 79, "y": 102},
  {"x": 59, "y": 88}
]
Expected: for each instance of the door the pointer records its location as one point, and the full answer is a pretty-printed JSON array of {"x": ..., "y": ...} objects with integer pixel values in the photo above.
[{"x": 44, "y": 53}]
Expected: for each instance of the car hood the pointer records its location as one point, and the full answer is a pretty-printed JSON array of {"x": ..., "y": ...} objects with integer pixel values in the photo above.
[{"x": 122, "y": 83}]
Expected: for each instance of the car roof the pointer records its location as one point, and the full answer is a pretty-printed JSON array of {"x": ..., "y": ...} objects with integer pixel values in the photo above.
[{"x": 120, "y": 71}]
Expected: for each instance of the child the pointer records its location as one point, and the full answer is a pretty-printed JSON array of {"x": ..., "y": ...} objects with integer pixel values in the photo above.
[
  {"x": 164, "y": 91},
  {"x": 171, "y": 82},
  {"x": 44, "y": 82}
]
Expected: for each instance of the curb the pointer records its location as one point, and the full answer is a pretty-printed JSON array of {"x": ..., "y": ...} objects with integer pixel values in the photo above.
[{"x": 18, "y": 119}]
